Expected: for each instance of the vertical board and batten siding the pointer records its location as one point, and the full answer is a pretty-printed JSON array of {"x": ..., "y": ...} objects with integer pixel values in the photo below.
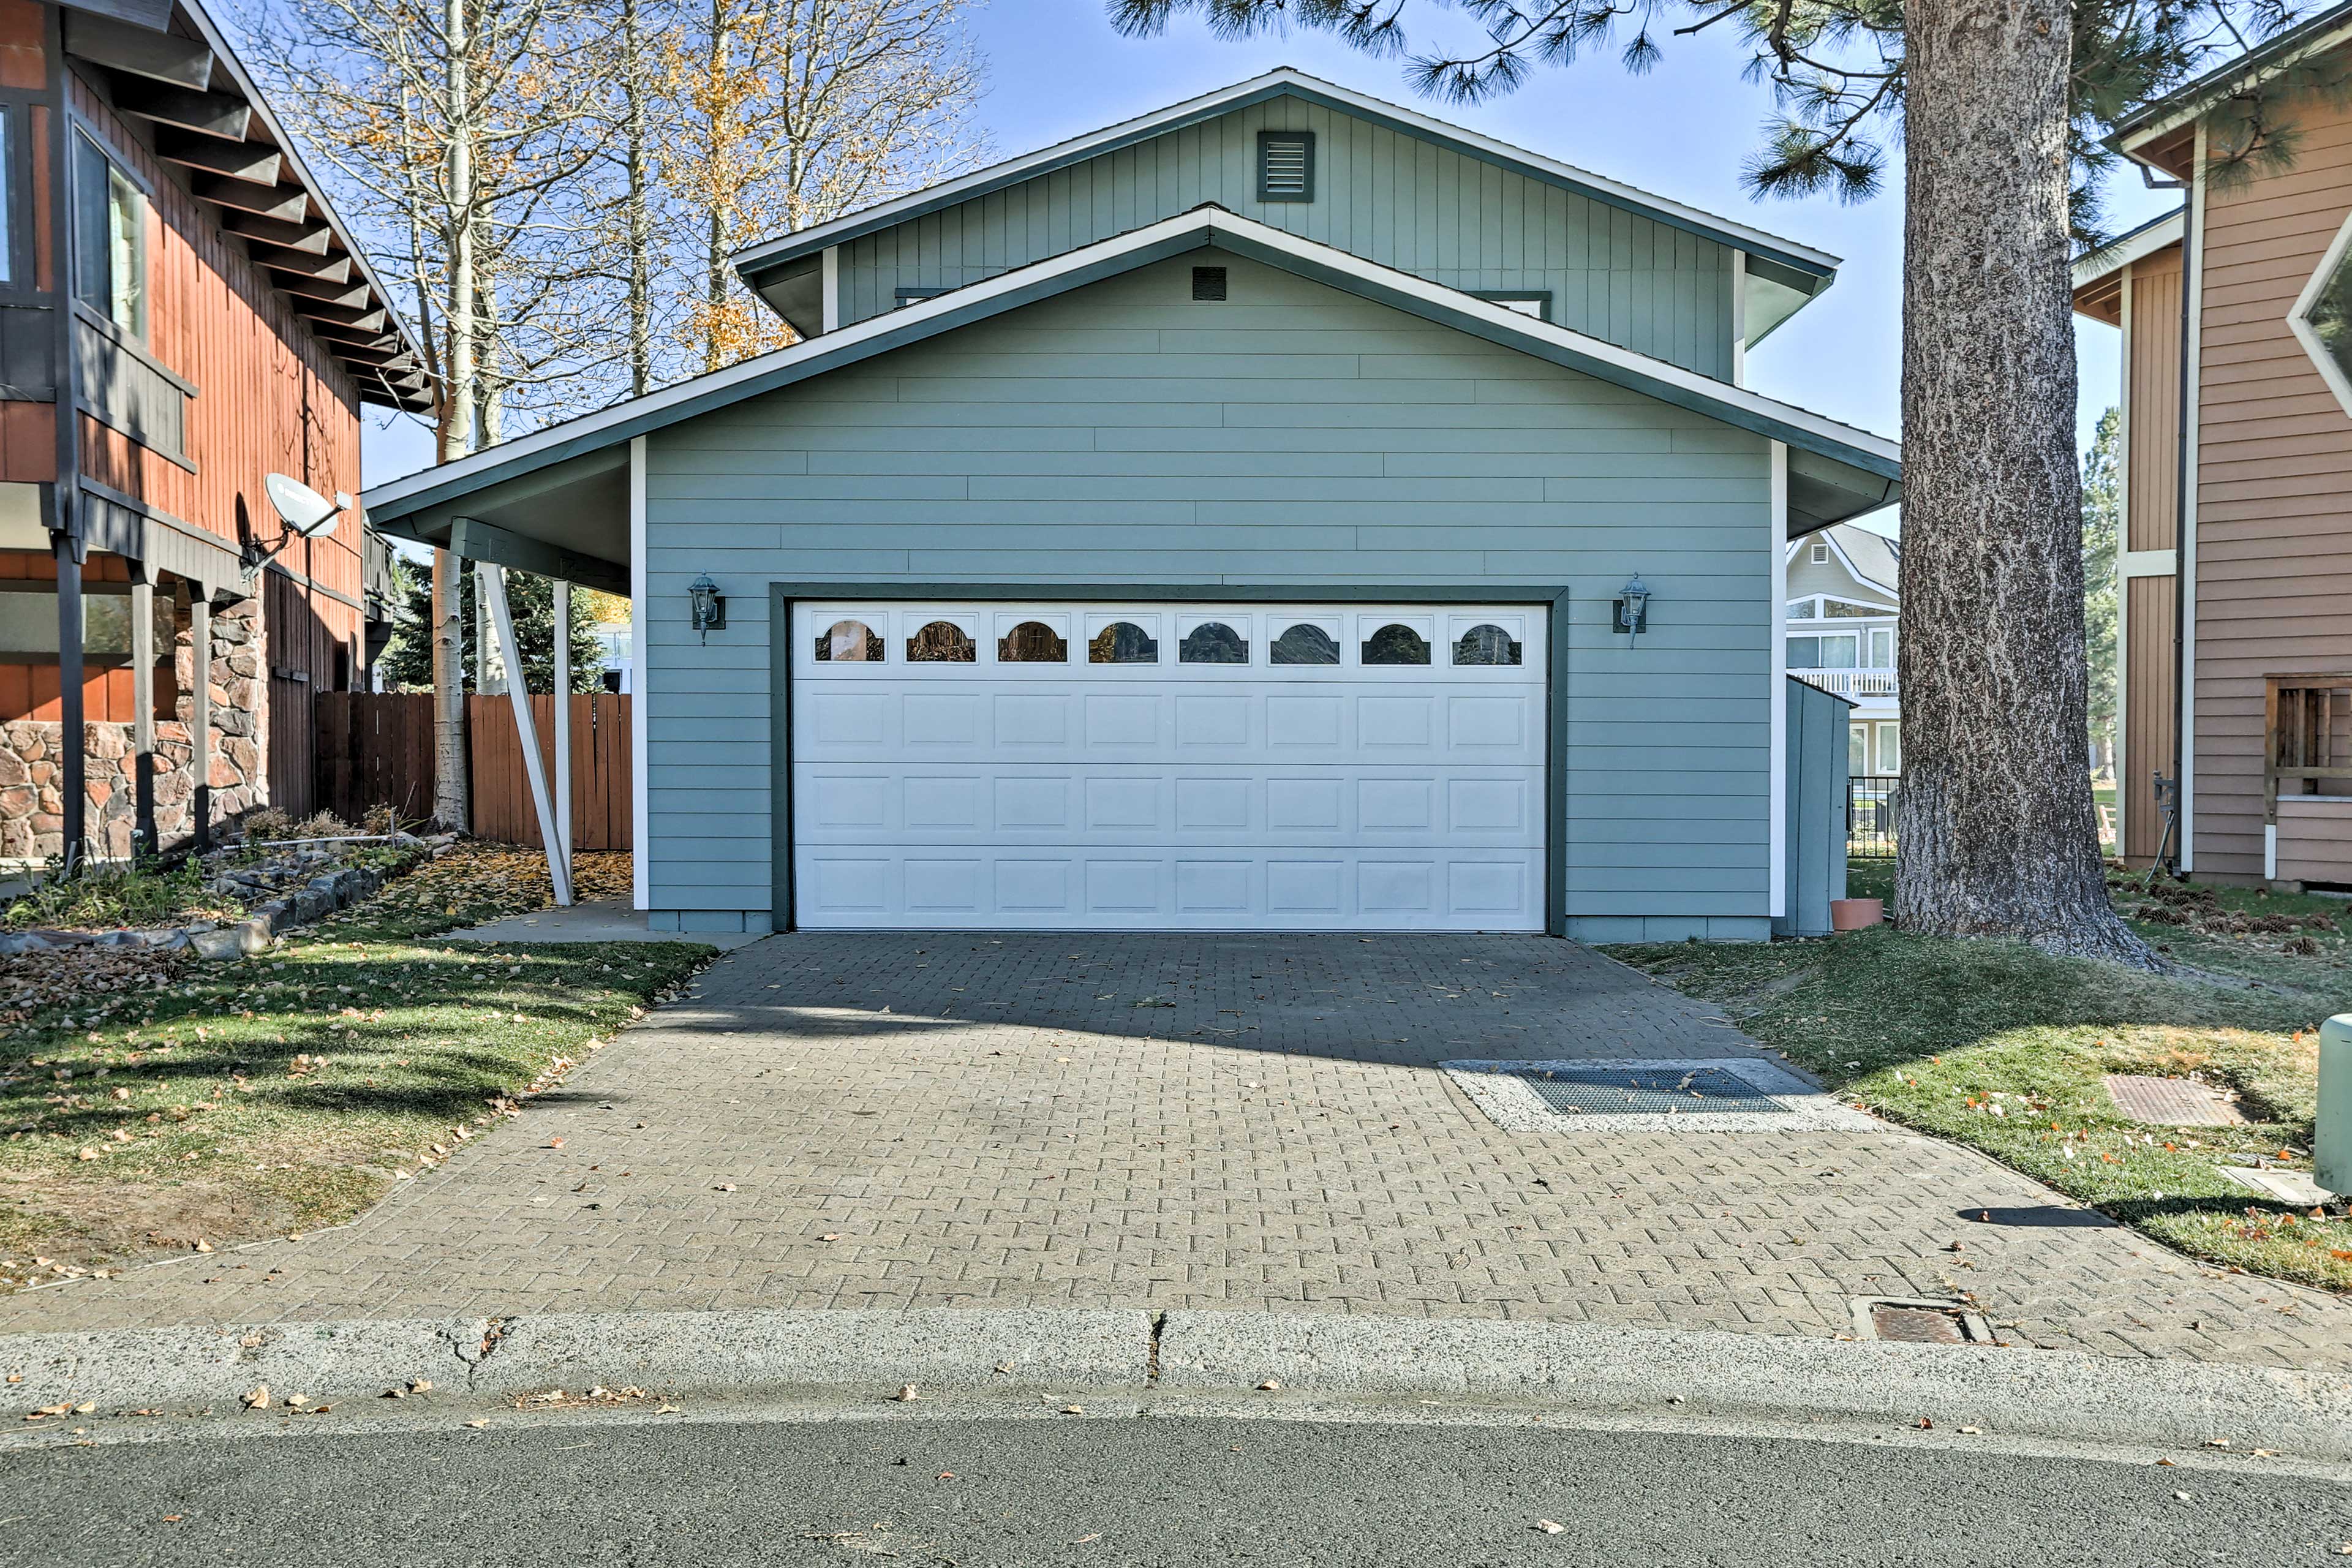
[
  {"x": 1292, "y": 434},
  {"x": 2274, "y": 483},
  {"x": 2151, "y": 667},
  {"x": 1379, "y": 194}
]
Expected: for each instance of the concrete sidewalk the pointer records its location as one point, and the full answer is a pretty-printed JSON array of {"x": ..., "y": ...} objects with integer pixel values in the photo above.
[{"x": 1188, "y": 1124}]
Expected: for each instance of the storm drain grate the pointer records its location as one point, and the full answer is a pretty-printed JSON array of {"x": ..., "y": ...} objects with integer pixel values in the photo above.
[
  {"x": 1605, "y": 1091},
  {"x": 1919, "y": 1323},
  {"x": 1652, "y": 1094}
]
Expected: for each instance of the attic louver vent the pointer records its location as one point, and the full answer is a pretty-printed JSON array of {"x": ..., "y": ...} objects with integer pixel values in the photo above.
[
  {"x": 1208, "y": 282},
  {"x": 1286, "y": 165}
]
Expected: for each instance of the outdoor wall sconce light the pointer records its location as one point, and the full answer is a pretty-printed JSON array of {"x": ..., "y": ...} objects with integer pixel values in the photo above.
[
  {"x": 709, "y": 605},
  {"x": 1632, "y": 609}
]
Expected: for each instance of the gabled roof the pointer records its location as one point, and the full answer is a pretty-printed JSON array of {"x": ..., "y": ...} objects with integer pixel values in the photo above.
[
  {"x": 1873, "y": 558},
  {"x": 2097, "y": 274},
  {"x": 1835, "y": 470},
  {"x": 170, "y": 66},
  {"x": 1814, "y": 267},
  {"x": 2150, "y": 129}
]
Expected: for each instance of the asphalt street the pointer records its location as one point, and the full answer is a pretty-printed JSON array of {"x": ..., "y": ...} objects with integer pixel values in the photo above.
[{"x": 1174, "y": 1490}]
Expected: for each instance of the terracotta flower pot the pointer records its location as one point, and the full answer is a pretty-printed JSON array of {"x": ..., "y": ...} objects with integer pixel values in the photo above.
[{"x": 1853, "y": 914}]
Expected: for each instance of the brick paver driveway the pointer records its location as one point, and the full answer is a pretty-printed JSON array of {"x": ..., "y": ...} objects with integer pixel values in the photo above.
[{"x": 914, "y": 1121}]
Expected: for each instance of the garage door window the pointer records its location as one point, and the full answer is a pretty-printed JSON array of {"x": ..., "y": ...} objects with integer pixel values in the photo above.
[
  {"x": 1032, "y": 642},
  {"x": 849, "y": 642},
  {"x": 941, "y": 642},
  {"x": 1121, "y": 642},
  {"x": 1486, "y": 642},
  {"x": 1396, "y": 643},
  {"x": 1213, "y": 642},
  {"x": 1307, "y": 643}
]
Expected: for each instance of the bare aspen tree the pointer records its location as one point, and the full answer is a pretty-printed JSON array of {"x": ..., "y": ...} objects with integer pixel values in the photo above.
[
  {"x": 790, "y": 112},
  {"x": 454, "y": 132}
]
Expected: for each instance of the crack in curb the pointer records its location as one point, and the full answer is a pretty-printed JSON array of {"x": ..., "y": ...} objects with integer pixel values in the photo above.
[
  {"x": 472, "y": 1357},
  {"x": 1151, "y": 1353}
]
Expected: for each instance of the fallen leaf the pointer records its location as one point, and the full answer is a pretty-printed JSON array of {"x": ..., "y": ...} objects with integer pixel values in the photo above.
[
  {"x": 257, "y": 1398},
  {"x": 724, "y": 1187},
  {"x": 1549, "y": 1527},
  {"x": 1270, "y": 1385},
  {"x": 476, "y": 1425},
  {"x": 906, "y": 1395},
  {"x": 1073, "y": 1410}
]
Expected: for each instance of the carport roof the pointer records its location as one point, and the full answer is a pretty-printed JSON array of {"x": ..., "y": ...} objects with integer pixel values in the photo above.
[{"x": 556, "y": 501}]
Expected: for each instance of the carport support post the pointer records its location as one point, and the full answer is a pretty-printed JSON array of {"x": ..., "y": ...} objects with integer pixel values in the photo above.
[
  {"x": 494, "y": 588},
  {"x": 563, "y": 721}
]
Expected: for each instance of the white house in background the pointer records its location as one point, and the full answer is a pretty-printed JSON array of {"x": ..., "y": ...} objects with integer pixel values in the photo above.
[{"x": 1842, "y": 614}]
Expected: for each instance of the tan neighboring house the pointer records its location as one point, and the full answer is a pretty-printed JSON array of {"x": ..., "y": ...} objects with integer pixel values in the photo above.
[
  {"x": 2235, "y": 665},
  {"x": 1841, "y": 614}
]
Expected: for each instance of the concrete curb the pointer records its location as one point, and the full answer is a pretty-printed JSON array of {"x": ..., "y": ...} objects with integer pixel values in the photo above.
[
  {"x": 1204, "y": 1358},
  {"x": 2050, "y": 1394},
  {"x": 700, "y": 1351}
]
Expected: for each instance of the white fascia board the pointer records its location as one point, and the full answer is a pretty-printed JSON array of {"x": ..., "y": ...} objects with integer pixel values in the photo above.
[
  {"x": 2098, "y": 264},
  {"x": 2224, "y": 82},
  {"x": 1205, "y": 226},
  {"x": 1731, "y": 232}
]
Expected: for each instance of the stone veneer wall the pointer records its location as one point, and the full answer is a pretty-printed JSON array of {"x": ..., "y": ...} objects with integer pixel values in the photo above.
[{"x": 32, "y": 805}]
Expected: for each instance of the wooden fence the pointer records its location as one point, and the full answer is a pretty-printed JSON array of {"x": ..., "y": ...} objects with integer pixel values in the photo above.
[{"x": 377, "y": 749}]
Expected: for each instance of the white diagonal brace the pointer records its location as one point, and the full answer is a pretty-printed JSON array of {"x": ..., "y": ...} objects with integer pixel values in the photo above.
[
  {"x": 564, "y": 720},
  {"x": 559, "y": 868}
]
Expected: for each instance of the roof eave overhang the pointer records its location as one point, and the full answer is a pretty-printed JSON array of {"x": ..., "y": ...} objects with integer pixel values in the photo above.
[
  {"x": 2096, "y": 267},
  {"x": 416, "y": 506},
  {"x": 756, "y": 262},
  {"x": 2154, "y": 125}
]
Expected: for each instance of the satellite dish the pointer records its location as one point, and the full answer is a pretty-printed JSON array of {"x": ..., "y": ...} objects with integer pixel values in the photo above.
[{"x": 304, "y": 509}]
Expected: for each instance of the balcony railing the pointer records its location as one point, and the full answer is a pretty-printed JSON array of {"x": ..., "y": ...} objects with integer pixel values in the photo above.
[{"x": 1850, "y": 682}]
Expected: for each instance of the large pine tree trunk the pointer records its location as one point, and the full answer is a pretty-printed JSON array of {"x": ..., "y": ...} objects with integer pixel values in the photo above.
[{"x": 1998, "y": 836}]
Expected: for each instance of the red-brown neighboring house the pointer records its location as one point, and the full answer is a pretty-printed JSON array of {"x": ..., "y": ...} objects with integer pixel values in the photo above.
[
  {"x": 2236, "y": 556},
  {"x": 170, "y": 272}
]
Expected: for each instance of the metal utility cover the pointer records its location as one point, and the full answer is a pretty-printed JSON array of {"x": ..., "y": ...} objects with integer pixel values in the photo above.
[
  {"x": 1634, "y": 1091},
  {"x": 1703, "y": 1094},
  {"x": 1919, "y": 1321},
  {"x": 2172, "y": 1101}
]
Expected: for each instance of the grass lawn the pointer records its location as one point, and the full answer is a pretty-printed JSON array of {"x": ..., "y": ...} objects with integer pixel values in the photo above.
[
  {"x": 151, "y": 1105},
  {"x": 2003, "y": 1048}
]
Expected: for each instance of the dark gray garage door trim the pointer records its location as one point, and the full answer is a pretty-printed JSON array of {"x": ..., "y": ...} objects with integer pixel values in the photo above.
[{"x": 783, "y": 597}]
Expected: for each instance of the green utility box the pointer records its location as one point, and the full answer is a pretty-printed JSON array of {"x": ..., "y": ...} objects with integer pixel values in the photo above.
[{"x": 2332, "y": 1148}]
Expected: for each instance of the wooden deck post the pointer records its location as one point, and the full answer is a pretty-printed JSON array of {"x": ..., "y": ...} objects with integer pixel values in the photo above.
[
  {"x": 143, "y": 710},
  {"x": 73, "y": 763},
  {"x": 200, "y": 711}
]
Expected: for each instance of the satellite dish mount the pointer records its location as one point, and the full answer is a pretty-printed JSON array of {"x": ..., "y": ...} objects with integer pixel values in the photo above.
[{"x": 306, "y": 513}]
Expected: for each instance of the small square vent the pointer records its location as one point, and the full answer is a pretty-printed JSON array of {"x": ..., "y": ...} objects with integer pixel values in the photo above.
[
  {"x": 1286, "y": 165},
  {"x": 1208, "y": 282}
]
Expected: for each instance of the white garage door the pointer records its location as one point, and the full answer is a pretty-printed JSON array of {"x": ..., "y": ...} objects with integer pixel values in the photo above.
[{"x": 1146, "y": 767}]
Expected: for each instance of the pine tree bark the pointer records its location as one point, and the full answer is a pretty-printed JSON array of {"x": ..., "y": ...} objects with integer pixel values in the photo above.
[{"x": 1998, "y": 834}]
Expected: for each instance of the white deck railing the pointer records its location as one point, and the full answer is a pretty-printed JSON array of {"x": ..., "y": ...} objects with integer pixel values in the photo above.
[{"x": 1850, "y": 682}]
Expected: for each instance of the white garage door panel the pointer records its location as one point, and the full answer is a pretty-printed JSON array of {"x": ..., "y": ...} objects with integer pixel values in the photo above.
[{"x": 1154, "y": 794}]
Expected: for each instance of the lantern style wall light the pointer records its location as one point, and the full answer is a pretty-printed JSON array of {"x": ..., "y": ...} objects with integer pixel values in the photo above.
[
  {"x": 709, "y": 607},
  {"x": 1632, "y": 609}
]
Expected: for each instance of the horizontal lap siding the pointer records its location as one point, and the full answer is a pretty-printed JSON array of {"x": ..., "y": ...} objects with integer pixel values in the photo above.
[
  {"x": 1125, "y": 433},
  {"x": 1380, "y": 194},
  {"x": 2273, "y": 535}
]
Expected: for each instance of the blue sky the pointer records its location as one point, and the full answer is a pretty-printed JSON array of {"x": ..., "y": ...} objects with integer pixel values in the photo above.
[{"x": 1055, "y": 69}]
